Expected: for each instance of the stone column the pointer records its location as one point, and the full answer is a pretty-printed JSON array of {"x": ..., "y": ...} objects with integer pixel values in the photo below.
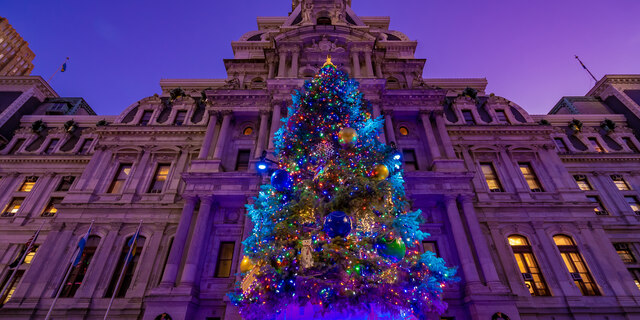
[
  {"x": 462, "y": 243},
  {"x": 264, "y": 121},
  {"x": 179, "y": 241},
  {"x": 480, "y": 242},
  {"x": 224, "y": 132},
  {"x": 379, "y": 69},
  {"x": 282, "y": 65},
  {"x": 272, "y": 67},
  {"x": 428, "y": 130},
  {"x": 444, "y": 136},
  {"x": 295, "y": 56},
  {"x": 275, "y": 124},
  {"x": 369, "y": 65},
  {"x": 355, "y": 56},
  {"x": 388, "y": 125},
  {"x": 191, "y": 266},
  {"x": 208, "y": 138}
]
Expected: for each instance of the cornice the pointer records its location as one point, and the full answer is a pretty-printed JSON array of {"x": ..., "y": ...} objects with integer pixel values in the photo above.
[
  {"x": 466, "y": 130},
  {"x": 26, "y": 159},
  {"x": 591, "y": 157},
  {"x": 36, "y": 81}
]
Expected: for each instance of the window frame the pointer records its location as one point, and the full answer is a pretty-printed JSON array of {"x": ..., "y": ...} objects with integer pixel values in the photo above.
[
  {"x": 154, "y": 178},
  {"x": 472, "y": 120},
  {"x": 220, "y": 260},
  {"x": 71, "y": 285},
  {"x": 405, "y": 163},
  {"x": 28, "y": 179},
  {"x": 503, "y": 112},
  {"x": 561, "y": 145},
  {"x": 565, "y": 252},
  {"x": 578, "y": 178},
  {"x": 63, "y": 181},
  {"x": 120, "y": 169},
  {"x": 623, "y": 248},
  {"x": 634, "y": 203},
  {"x": 494, "y": 172},
  {"x": 51, "y": 205},
  {"x": 7, "y": 212},
  {"x": 619, "y": 181},
  {"x": 142, "y": 122},
  {"x": 595, "y": 144},
  {"x": 525, "y": 254},
  {"x": 130, "y": 271},
  {"x": 176, "y": 120},
  {"x": 52, "y": 146},
  {"x": 534, "y": 175},
  {"x": 240, "y": 166},
  {"x": 601, "y": 210}
]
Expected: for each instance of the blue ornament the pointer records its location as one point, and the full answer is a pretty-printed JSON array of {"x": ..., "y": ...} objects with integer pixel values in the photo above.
[
  {"x": 337, "y": 224},
  {"x": 281, "y": 180}
]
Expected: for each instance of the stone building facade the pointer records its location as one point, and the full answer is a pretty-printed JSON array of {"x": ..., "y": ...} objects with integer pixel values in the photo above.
[
  {"x": 15, "y": 56},
  {"x": 540, "y": 212}
]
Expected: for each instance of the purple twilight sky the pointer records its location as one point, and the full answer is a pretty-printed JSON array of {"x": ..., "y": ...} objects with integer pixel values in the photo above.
[{"x": 120, "y": 50}]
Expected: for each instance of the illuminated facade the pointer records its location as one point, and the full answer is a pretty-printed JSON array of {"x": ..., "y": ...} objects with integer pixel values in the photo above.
[
  {"x": 15, "y": 56},
  {"x": 540, "y": 212}
]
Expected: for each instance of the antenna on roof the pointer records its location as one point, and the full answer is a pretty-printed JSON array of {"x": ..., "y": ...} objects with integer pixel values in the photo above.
[{"x": 585, "y": 67}]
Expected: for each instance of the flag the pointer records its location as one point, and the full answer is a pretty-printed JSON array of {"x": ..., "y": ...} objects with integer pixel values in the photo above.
[
  {"x": 23, "y": 251},
  {"x": 64, "y": 65},
  {"x": 81, "y": 244},
  {"x": 133, "y": 244}
]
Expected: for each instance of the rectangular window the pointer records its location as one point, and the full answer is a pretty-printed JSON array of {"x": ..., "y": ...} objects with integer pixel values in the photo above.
[
  {"x": 120, "y": 178},
  {"x": 16, "y": 146},
  {"x": 86, "y": 144},
  {"x": 530, "y": 176},
  {"x": 180, "y": 117},
  {"x": 78, "y": 272},
  {"x": 633, "y": 204},
  {"x": 65, "y": 183},
  {"x": 129, "y": 271},
  {"x": 630, "y": 144},
  {"x": 596, "y": 145},
  {"x": 52, "y": 146},
  {"x": 468, "y": 117},
  {"x": 225, "y": 257},
  {"x": 620, "y": 183},
  {"x": 51, "y": 209},
  {"x": 635, "y": 273},
  {"x": 13, "y": 207},
  {"x": 502, "y": 116},
  {"x": 29, "y": 257},
  {"x": 491, "y": 177},
  {"x": 28, "y": 184},
  {"x": 561, "y": 145},
  {"x": 146, "y": 117},
  {"x": 242, "y": 162},
  {"x": 624, "y": 252},
  {"x": 12, "y": 286},
  {"x": 599, "y": 209},
  {"x": 430, "y": 246},
  {"x": 583, "y": 182},
  {"x": 410, "y": 160},
  {"x": 160, "y": 177}
]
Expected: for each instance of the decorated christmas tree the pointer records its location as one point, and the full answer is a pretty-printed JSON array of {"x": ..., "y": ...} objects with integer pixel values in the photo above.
[{"x": 334, "y": 228}]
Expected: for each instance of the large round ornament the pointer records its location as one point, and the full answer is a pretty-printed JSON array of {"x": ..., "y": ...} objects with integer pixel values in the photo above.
[
  {"x": 281, "y": 180},
  {"x": 347, "y": 137},
  {"x": 380, "y": 172},
  {"x": 337, "y": 224},
  {"x": 246, "y": 264},
  {"x": 392, "y": 249}
]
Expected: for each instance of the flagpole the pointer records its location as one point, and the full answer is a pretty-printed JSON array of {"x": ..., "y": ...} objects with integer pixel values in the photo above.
[
  {"x": 585, "y": 67},
  {"x": 124, "y": 267},
  {"x": 24, "y": 255},
  {"x": 59, "y": 69},
  {"x": 69, "y": 269}
]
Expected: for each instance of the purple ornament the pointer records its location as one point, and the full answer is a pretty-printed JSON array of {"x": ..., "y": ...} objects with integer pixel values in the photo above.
[
  {"x": 281, "y": 180},
  {"x": 337, "y": 224}
]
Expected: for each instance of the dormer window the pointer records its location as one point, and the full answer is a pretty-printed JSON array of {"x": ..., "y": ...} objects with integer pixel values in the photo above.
[
  {"x": 502, "y": 116},
  {"x": 146, "y": 117},
  {"x": 324, "y": 21},
  {"x": 180, "y": 117}
]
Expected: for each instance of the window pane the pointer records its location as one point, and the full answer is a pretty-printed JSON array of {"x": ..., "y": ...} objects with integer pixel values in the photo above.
[
  {"x": 599, "y": 209},
  {"x": 633, "y": 204},
  {"x": 562, "y": 147},
  {"x": 180, "y": 117},
  {"x": 620, "y": 183},
  {"x": 146, "y": 117},
  {"x": 430, "y": 246},
  {"x": 502, "y": 116},
  {"x": 468, "y": 117},
  {"x": 225, "y": 258},
  {"x": 530, "y": 177},
  {"x": 583, "y": 182},
  {"x": 77, "y": 275},
  {"x": 12, "y": 287},
  {"x": 410, "y": 161},
  {"x": 121, "y": 177},
  {"x": 17, "y": 146},
  {"x": 159, "y": 179},
  {"x": 242, "y": 162},
  {"x": 28, "y": 184},
  {"x": 52, "y": 145},
  {"x": 13, "y": 207},
  {"x": 51, "y": 209},
  {"x": 596, "y": 145},
  {"x": 85, "y": 146},
  {"x": 130, "y": 270},
  {"x": 491, "y": 177},
  {"x": 65, "y": 183}
]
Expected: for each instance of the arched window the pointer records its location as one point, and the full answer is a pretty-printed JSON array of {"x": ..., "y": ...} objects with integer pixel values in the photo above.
[
  {"x": 76, "y": 277},
  {"x": 324, "y": 21},
  {"x": 247, "y": 131},
  {"x": 528, "y": 265},
  {"x": 404, "y": 131},
  {"x": 130, "y": 270},
  {"x": 576, "y": 265},
  {"x": 257, "y": 83},
  {"x": 392, "y": 83}
]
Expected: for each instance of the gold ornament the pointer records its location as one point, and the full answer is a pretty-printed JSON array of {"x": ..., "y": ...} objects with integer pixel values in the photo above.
[
  {"x": 246, "y": 264},
  {"x": 381, "y": 172},
  {"x": 347, "y": 136}
]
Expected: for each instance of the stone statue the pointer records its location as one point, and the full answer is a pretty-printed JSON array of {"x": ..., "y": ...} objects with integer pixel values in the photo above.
[{"x": 307, "y": 11}]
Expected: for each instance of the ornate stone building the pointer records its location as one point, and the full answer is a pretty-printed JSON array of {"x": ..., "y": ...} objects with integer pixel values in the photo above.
[
  {"x": 15, "y": 56},
  {"x": 540, "y": 212}
]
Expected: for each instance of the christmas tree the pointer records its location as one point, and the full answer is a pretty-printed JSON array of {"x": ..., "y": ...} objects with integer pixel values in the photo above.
[{"x": 334, "y": 227}]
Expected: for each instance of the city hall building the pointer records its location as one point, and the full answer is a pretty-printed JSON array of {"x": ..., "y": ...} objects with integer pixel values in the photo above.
[{"x": 540, "y": 212}]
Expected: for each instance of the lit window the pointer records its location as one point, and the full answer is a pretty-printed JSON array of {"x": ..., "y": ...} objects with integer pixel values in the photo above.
[
  {"x": 29, "y": 257},
  {"x": 13, "y": 207},
  {"x": 242, "y": 163},
  {"x": 502, "y": 116},
  {"x": 159, "y": 179},
  {"x": 180, "y": 117},
  {"x": 247, "y": 131},
  {"x": 624, "y": 252},
  {"x": 225, "y": 257},
  {"x": 596, "y": 145},
  {"x": 491, "y": 177},
  {"x": 635, "y": 273},
  {"x": 561, "y": 145},
  {"x": 583, "y": 182},
  {"x": 65, "y": 183},
  {"x": 430, "y": 246},
  {"x": 528, "y": 265},
  {"x": 410, "y": 160},
  {"x": 468, "y": 117},
  {"x": 51, "y": 209},
  {"x": 404, "y": 131},
  {"x": 630, "y": 144},
  {"x": 28, "y": 184},
  {"x": 121, "y": 177},
  {"x": 52, "y": 146},
  {"x": 633, "y": 204},
  {"x": 86, "y": 144},
  {"x": 599, "y": 209},
  {"x": 620, "y": 183},
  {"x": 530, "y": 176},
  {"x": 130, "y": 270},
  {"x": 76, "y": 277},
  {"x": 146, "y": 117},
  {"x": 576, "y": 266},
  {"x": 12, "y": 286}
]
